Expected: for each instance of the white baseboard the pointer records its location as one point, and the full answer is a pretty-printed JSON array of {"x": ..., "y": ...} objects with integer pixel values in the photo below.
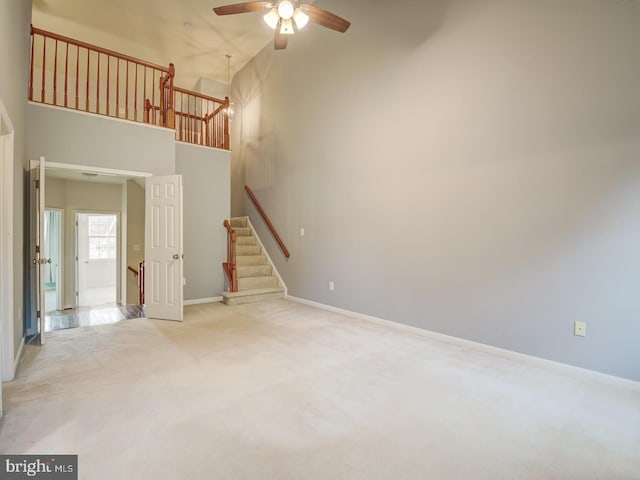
[
  {"x": 199, "y": 301},
  {"x": 503, "y": 352},
  {"x": 18, "y": 357}
]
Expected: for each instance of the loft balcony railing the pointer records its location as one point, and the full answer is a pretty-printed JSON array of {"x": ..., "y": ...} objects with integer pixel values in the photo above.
[{"x": 73, "y": 74}]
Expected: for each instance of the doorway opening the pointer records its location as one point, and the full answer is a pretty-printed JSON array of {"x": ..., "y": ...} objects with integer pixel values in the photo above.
[{"x": 97, "y": 259}]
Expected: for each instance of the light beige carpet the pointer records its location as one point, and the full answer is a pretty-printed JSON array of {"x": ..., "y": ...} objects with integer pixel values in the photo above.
[{"x": 283, "y": 391}]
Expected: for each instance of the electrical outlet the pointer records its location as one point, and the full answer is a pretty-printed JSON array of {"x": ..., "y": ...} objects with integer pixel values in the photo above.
[
  {"x": 302, "y": 232},
  {"x": 331, "y": 286},
  {"x": 580, "y": 329}
]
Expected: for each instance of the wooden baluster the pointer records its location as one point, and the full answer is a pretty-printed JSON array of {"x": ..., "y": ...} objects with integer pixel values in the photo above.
[
  {"x": 66, "y": 77},
  {"x": 55, "y": 75},
  {"x": 108, "y": 82},
  {"x": 126, "y": 105},
  {"x": 33, "y": 42},
  {"x": 77, "y": 77},
  {"x": 86, "y": 106},
  {"x": 226, "y": 123},
  {"x": 118, "y": 89},
  {"x": 135, "y": 96},
  {"x": 205, "y": 125},
  {"x": 98, "y": 87},
  {"x": 44, "y": 64},
  {"x": 145, "y": 90},
  {"x": 181, "y": 117},
  {"x": 153, "y": 96}
]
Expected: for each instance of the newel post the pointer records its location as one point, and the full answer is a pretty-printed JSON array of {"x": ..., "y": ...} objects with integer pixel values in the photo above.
[
  {"x": 171, "y": 112},
  {"x": 227, "y": 104}
]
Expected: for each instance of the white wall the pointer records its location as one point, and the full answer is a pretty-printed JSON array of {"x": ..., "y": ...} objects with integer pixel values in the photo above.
[
  {"x": 66, "y": 136},
  {"x": 15, "y": 18},
  {"x": 468, "y": 167},
  {"x": 206, "y": 181}
]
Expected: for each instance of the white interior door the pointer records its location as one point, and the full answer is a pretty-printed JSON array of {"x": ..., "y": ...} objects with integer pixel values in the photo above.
[
  {"x": 39, "y": 260},
  {"x": 163, "y": 248}
]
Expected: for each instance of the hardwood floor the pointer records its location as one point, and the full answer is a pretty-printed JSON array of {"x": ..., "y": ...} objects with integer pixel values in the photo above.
[{"x": 88, "y": 316}]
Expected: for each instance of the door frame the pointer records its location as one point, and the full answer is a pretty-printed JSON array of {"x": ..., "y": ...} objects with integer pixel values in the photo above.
[
  {"x": 119, "y": 254},
  {"x": 132, "y": 174},
  {"x": 7, "y": 348}
]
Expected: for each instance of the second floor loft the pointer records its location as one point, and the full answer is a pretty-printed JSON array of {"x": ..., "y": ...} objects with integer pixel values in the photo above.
[{"x": 72, "y": 74}]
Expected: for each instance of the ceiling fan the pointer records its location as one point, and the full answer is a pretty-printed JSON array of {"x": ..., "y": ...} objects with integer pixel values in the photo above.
[{"x": 286, "y": 17}]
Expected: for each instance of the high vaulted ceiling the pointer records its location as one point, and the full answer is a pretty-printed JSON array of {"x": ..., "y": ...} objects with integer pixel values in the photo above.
[{"x": 185, "y": 32}]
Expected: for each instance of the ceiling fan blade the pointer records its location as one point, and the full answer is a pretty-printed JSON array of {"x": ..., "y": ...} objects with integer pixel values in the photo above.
[
  {"x": 280, "y": 41},
  {"x": 242, "y": 8},
  {"x": 326, "y": 19}
]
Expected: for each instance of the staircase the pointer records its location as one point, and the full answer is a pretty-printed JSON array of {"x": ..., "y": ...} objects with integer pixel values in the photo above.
[{"x": 256, "y": 281}]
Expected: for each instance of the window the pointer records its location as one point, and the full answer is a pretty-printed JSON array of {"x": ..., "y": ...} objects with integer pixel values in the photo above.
[{"x": 102, "y": 236}]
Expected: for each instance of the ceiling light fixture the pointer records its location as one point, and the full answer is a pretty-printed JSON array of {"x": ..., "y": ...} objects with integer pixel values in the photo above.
[
  {"x": 286, "y": 9},
  {"x": 230, "y": 110},
  {"x": 281, "y": 16},
  {"x": 286, "y": 27},
  {"x": 300, "y": 18},
  {"x": 272, "y": 18},
  {"x": 287, "y": 17}
]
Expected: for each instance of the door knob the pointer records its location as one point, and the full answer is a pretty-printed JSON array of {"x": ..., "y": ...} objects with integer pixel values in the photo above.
[{"x": 176, "y": 256}]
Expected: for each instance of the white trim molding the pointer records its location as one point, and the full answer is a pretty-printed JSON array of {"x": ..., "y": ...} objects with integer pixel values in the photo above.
[
  {"x": 7, "y": 333},
  {"x": 461, "y": 342}
]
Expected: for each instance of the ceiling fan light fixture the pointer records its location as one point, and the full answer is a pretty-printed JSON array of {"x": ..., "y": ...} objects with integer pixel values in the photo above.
[
  {"x": 286, "y": 27},
  {"x": 272, "y": 18},
  {"x": 285, "y": 9},
  {"x": 300, "y": 18}
]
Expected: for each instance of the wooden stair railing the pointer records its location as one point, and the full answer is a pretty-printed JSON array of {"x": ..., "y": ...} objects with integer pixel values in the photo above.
[
  {"x": 139, "y": 274},
  {"x": 77, "y": 75},
  {"x": 69, "y": 73},
  {"x": 230, "y": 265},
  {"x": 267, "y": 221},
  {"x": 201, "y": 119},
  {"x": 141, "y": 283}
]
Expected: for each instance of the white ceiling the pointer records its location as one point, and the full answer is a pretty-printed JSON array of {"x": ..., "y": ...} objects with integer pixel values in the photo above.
[{"x": 185, "y": 32}]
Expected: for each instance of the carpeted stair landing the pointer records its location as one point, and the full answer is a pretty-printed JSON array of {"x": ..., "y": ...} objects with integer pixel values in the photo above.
[{"x": 256, "y": 281}]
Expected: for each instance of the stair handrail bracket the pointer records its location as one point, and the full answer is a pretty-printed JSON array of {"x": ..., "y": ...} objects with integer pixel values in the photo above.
[
  {"x": 230, "y": 267},
  {"x": 267, "y": 221}
]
